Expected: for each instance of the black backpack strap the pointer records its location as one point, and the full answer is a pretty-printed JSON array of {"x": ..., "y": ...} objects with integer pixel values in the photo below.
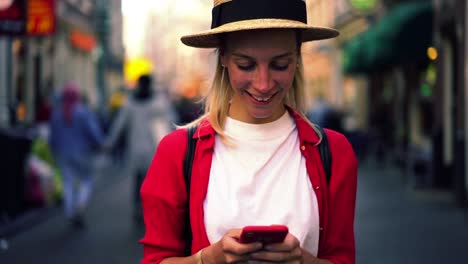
[
  {"x": 325, "y": 154},
  {"x": 191, "y": 144},
  {"x": 188, "y": 162}
]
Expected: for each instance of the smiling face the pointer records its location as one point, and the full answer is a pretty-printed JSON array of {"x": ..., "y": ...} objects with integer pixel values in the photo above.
[{"x": 261, "y": 66}]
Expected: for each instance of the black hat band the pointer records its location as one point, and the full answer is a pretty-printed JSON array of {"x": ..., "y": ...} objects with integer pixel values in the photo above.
[{"x": 238, "y": 10}]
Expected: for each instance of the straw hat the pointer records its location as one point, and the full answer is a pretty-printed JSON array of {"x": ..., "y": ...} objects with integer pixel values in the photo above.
[{"x": 237, "y": 15}]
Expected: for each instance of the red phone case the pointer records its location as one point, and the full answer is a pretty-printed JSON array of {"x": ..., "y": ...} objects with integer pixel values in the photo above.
[{"x": 264, "y": 234}]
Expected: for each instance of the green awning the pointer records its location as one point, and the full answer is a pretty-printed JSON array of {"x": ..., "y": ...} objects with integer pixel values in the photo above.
[{"x": 402, "y": 36}]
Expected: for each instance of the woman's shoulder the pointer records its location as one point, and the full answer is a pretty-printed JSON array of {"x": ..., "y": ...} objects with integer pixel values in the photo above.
[
  {"x": 340, "y": 144},
  {"x": 335, "y": 136},
  {"x": 173, "y": 145},
  {"x": 175, "y": 137}
]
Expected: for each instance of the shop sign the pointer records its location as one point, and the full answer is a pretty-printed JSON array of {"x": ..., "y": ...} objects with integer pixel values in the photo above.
[
  {"x": 41, "y": 17},
  {"x": 83, "y": 41},
  {"x": 12, "y": 17}
]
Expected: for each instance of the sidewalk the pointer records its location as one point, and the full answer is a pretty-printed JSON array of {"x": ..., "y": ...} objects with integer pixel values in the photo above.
[
  {"x": 111, "y": 235},
  {"x": 395, "y": 224},
  {"x": 35, "y": 216}
]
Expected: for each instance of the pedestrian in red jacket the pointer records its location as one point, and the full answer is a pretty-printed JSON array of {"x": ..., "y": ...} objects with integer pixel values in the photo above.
[{"x": 256, "y": 160}]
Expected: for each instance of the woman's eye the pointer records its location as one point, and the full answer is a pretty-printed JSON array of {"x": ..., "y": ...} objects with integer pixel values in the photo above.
[
  {"x": 280, "y": 66},
  {"x": 246, "y": 67}
]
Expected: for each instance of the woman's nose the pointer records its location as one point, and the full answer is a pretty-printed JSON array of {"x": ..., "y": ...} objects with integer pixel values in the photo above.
[{"x": 263, "y": 81}]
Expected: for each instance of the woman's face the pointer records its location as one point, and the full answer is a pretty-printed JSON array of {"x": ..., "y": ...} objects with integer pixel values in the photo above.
[{"x": 261, "y": 66}]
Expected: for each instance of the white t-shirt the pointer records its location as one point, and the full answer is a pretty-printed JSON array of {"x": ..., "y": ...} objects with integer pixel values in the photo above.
[{"x": 261, "y": 181}]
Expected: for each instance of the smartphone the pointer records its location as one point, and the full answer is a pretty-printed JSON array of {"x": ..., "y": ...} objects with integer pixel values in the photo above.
[{"x": 264, "y": 234}]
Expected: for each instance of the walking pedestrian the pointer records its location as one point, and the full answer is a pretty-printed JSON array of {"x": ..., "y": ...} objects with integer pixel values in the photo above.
[
  {"x": 256, "y": 160},
  {"x": 75, "y": 136},
  {"x": 325, "y": 115},
  {"x": 144, "y": 119}
]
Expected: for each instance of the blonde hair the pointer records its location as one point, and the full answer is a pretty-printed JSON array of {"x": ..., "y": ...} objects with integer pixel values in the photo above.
[{"x": 220, "y": 93}]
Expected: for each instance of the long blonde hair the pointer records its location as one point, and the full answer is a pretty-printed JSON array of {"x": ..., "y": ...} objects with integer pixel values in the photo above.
[{"x": 220, "y": 93}]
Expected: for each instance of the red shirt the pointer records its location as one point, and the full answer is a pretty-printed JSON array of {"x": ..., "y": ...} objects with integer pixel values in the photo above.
[{"x": 164, "y": 196}]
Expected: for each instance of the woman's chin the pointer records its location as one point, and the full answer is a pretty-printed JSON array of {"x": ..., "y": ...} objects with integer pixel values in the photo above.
[{"x": 262, "y": 116}]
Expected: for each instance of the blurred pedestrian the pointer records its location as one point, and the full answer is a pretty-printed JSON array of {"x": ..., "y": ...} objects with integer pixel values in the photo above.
[
  {"x": 325, "y": 115},
  {"x": 187, "y": 109},
  {"x": 144, "y": 119},
  {"x": 256, "y": 160},
  {"x": 116, "y": 102},
  {"x": 75, "y": 136},
  {"x": 44, "y": 110},
  {"x": 382, "y": 132}
]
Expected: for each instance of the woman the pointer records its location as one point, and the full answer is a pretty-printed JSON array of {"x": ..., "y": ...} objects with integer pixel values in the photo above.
[
  {"x": 75, "y": 135},
  {"x": 256, "y": 160}
]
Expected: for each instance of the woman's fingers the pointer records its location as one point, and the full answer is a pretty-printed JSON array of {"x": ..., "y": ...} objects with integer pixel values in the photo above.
[
  {"x": 287, "y": 251},
  {"x": 278, "y": 256},
  {"x": 235, "y": 252},
  {"x": 290, "y": 242}
]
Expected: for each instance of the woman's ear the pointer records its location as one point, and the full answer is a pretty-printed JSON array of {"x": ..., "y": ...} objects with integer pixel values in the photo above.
[
  {"x": 299, "y": 59},
  {"x": 222, "y": 57}
]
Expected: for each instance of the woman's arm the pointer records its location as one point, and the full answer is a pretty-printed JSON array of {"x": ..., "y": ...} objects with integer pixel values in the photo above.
[
  {"x": 194, "y": 259},
  {"x": 118, "y": 126},
  {"x": 338, "y": 245},
  {"x": 164, "y": 201}
]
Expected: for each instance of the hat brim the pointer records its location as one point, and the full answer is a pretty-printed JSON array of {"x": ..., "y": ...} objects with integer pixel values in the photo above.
[{"x": 210, "y": 38}]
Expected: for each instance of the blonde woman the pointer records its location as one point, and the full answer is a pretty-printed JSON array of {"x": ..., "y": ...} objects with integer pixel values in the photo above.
[{"x": 256, "y": 160}]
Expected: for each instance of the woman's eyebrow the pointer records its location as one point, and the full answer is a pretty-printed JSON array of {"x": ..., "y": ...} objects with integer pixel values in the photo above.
[
  {"x": 286, "y": 54},
  {"x": 242, "y": 56}
]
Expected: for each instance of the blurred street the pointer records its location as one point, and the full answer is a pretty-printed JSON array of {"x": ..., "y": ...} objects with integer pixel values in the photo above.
[
  {"x": 397, "y": 224},
  {"x": 112, "y": 77},
  {"x": 110, "y": 236},
  {"x": 393, "y": 225}
]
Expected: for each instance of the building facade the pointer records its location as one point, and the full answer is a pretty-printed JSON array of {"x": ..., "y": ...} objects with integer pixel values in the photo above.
[
  {"x": 74, "y": 47},
  {"x": 413, "y": 55},
  {"x": 450, "y": 124},
  {"x": 40, "y": 65},
  {"x": 115, "y": 60},
  {"x": 85, "y": 47},
  {"x": 323, "y": 61}
]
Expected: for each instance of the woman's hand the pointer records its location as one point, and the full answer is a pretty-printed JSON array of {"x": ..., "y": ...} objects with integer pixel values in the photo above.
[
  {"x": 289, "y": 251},
  {"x": 229, "y": 250}
]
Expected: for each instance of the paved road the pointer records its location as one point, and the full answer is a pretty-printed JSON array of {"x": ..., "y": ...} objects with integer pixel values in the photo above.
[
  {"x": 393, "y": 225},
  {"x": 110, "y": 237},
  {"x": 396, "y": 224}
]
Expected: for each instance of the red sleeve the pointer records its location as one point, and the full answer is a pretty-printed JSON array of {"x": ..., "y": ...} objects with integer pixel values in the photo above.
[
  {"x": 339, "y": 245},
  {"x": 163, "y": 197}
]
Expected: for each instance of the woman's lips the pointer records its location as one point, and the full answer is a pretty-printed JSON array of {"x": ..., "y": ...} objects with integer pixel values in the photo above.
[{"x": 262, "y": 99}]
